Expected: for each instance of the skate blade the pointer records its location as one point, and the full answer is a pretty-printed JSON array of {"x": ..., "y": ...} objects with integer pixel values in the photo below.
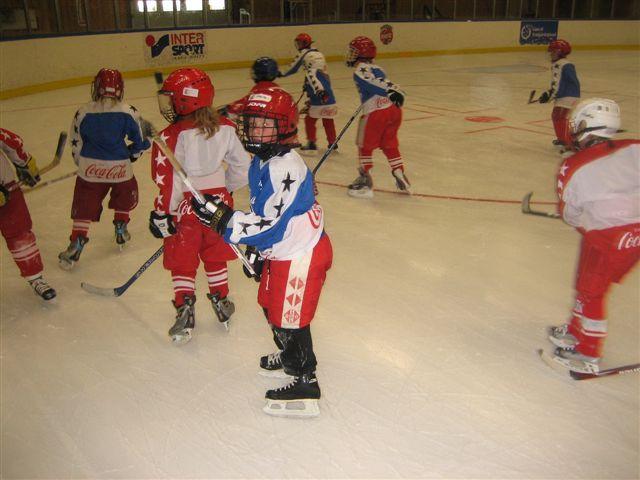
[
  {"x": 274, "y": 374},
  {"x": 225, "y": 325},
  {"x": 560, "y": 344},
  {"x": 181, "y": 338},
  {"x": 65, "y": 264},
  {"x": 120, "y": 247},
  {"x": 292, "y": 408},
  {"x": 360, "y": 193},
  {"x": 565, "y": 365}
]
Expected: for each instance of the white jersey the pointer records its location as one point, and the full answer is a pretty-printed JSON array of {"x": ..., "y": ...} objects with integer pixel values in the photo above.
[
  {"x": 599, "y": 187},
  {"x": 202, "y": 159}
]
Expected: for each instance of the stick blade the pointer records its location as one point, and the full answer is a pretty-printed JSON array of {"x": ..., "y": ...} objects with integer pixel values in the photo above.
[
  {"x": 531, "y": 95},
  {"x": 159, "y": 79},
  {"x": 526, "y": 201},
  {"x": 105, "y": 292},
  {"x": 148, "y": 130},
  {"x": 62, "y": 141}
]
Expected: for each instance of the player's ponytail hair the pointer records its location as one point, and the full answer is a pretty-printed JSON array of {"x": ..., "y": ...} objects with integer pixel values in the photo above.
[{"x": 207, "y": 121}]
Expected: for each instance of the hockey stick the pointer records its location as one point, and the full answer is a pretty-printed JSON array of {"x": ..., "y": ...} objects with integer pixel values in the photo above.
[
  {"x": 49, "y": 182},
  {"x": 527, "y": 209},
  {"x": 62, "y": 141},
  {"x": 333, "y": 146},
  {"x": 634, "y": 367},
  {"x": 531, "y": 95},
  {"x": 117, "y": 291},
  {"x": 149, "y": 131}
]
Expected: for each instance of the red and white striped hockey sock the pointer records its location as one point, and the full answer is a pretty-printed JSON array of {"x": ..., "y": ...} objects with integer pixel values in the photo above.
[
  {"x": 26, "y": 254},
  {"x": 183, "y": 285},
  {"x": 80, "y": 228},
  {"x": 218, "y": 279}
]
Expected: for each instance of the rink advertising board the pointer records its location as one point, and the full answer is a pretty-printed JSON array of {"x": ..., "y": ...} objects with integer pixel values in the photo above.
[
  {"x": 539, "y": 32},
  {"x": 177, "y": 46}
]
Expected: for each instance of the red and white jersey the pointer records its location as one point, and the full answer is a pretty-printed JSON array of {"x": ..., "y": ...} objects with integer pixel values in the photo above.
[
  {"x": 202, "y": 159},
  {"x": 12, "y": 152},
  {"x": 599, "y": 187}
]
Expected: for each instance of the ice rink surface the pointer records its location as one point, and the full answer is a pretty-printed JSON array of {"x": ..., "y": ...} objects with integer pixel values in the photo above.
[{"x": 426, "y": 333}]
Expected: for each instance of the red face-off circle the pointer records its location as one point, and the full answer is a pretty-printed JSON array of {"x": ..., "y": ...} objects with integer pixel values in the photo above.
[{"x": 485, "y": 119}]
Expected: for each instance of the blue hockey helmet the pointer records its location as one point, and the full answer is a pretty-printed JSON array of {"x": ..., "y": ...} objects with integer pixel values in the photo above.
[{"x": 264, "y": 69}]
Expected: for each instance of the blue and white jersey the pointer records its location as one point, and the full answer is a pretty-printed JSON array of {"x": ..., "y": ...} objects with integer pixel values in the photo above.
[
  {"x": 565, "y": 87},
  {"x": 98, "y": 145},
  {"x": 285, "y": 221},
  {"x": 315, "y": 73},
  {"x": 373, "y": 87}
]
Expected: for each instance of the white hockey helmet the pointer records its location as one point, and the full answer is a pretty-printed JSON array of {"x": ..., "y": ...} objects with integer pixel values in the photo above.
[{"x": 594, "y": 116}]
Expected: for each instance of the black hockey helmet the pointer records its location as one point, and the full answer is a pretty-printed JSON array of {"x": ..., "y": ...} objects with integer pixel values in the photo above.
[{"x": 264, "y": 69}]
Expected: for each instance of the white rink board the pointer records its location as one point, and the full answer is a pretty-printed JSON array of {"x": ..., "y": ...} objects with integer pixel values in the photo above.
[{"x": 426, "y": 333}]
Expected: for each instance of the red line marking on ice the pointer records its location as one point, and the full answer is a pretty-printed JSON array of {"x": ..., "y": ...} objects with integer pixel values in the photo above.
[
  {"x": 454, "y": 111},
  {"x": 507, "y": 126},
  {"x": 447, "y": 197}
]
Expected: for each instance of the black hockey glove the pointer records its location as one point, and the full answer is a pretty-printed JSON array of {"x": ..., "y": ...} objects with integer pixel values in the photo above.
[
  {"x": 161, "y": 226},
  {"x": 324, "y": 97},
  {"x": 544, "y": 97},
  {"x": 28, "y": 174},
  {"x": 256, "y": 261},
  {"x": 215, "y": 214},
  {"x": 4, "y": 195},
  {"x": 396, "y": 97}
]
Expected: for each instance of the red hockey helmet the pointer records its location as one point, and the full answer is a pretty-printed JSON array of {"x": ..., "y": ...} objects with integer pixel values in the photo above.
[
  {"x": 562, "y": 48},
  {"x": 108, "y": 82},
  {"x": 302, "y": 40},
  {"x": 184, "y": 91},
  {"x": 360, "y": 48},
  {"x": 269, "y": 122}
]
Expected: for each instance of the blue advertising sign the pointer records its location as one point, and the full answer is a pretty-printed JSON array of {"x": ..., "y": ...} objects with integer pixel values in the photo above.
[{"x": 538, "y": 32}]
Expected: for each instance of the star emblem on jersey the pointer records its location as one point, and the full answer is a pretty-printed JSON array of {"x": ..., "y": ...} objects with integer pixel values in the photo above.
[
  {"x": 245, "y": 226},
  {"x": 164, "y": 137},
  {"x": 160, "y": 159},
  {"x": 74, "y": 142},
  {"x": 363, "y": 70},
  {"x": 263, "y": 223},
  {"x": 288, "y": 182},
  {"x": 159, "y": 179},
  {"x": 279, "y": 207},
  {"x": 563, "y": 170},
  {"x": 133, "y": 109}
]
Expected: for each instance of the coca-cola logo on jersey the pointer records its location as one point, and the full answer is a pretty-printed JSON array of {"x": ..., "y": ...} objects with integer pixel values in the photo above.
[
  {"x": 382, "y": 101},
  {"x": 629, "y": 240},
  {"x": 107, "y": 173}
]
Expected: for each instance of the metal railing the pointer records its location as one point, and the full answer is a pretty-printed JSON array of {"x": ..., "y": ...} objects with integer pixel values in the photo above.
[{"x": 28, "y": 18}]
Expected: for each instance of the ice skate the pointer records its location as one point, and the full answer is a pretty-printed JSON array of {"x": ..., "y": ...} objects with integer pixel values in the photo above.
[
  {"x": 180, "y": 333},
  {"x": 402, "y": 182},
  {"x": 309, "y": 150},
  {"x": 576, "y": 361},
  {"x": 271, "y": 366},
  {"x": 42, "y": 288},
  {"x": 68, "y": 258},
  {"x": 561, "y": 337},
  {"x": 223, "y": 307},
  {"x": 558, "y": 143},
  {"x": 121, "y": 233},
  {"x": 297, "y": 399},
  {"x": 362, "y": 187}
]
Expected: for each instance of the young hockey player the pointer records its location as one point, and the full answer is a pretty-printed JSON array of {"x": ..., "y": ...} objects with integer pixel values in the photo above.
[
  {"x": 285, "y": 238},
  {"x": 564, "y": 91},
  {"x": 104, "y": 161},
  {"x": 201, "y": 141},
  {"x": 599, "y": 192},
  {"x": 263, "y": 72},
  {"x": 381, "y": 118},
  {"x": 317, "y": 86},
  {"x": 15, "y": 221}
]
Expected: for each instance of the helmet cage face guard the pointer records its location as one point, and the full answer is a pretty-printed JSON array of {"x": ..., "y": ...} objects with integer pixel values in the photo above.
[
  {"x": 266, "y": 134},
  {"x": 165, "y": 105},
  {"x": 352, "y": 56}
]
